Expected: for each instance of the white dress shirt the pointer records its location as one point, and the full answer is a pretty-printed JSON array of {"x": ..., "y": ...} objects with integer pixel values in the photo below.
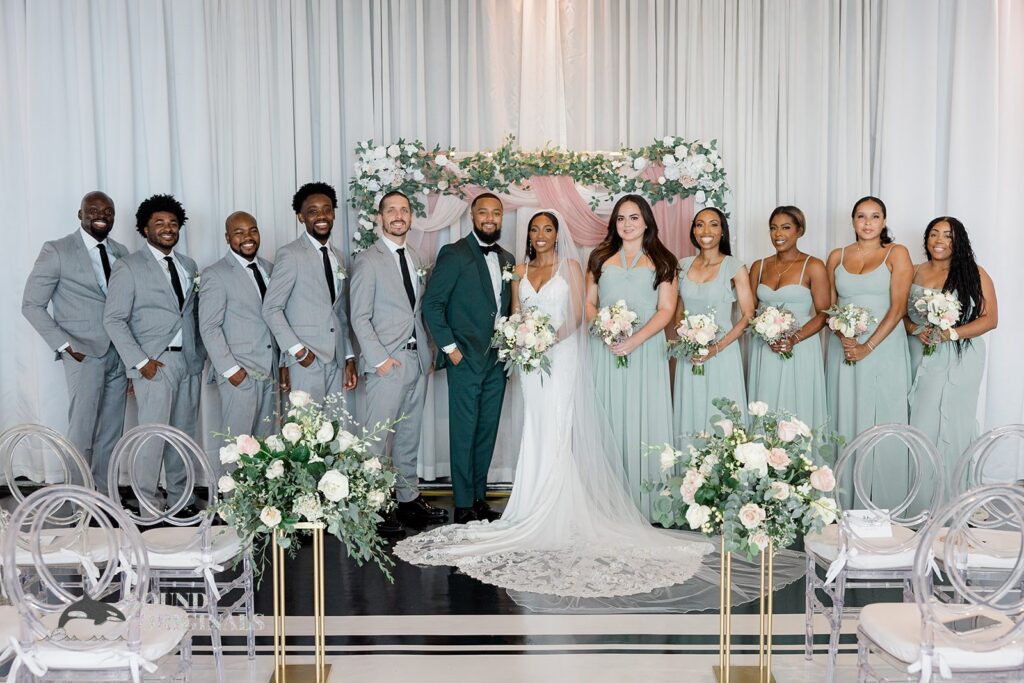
[
  {"x": 183, "y": 277},
  {"x": 92, "y": 248},
  {"x": 252, "y": 278},
  {"x": 294, "y": 350},
  {"x": 393, "y": 248},
  {"x": 494, "y": 269}
]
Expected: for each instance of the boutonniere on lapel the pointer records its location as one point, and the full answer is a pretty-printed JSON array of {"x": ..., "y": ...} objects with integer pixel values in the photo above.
[
  {"x": 423, "y": 272},
  {"x": 508, "y": 273},
  {"x": 340, "y": 273},
  {"x": 195, "y": 283}
]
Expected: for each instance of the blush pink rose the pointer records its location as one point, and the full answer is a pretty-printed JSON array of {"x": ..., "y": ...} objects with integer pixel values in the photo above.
[
  {"x": 823, "y": 479},
  {"x": 778, "y": 458}
]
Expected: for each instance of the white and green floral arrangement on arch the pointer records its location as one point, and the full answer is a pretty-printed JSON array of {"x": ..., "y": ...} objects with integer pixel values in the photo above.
[{"x": 690, "y": 169}]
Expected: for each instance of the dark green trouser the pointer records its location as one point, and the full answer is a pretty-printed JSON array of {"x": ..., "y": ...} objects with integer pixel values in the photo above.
[{"x": 474, "y": 409}]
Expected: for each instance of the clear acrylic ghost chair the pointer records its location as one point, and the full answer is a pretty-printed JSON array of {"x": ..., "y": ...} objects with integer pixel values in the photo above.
[
  {"x": 981, "y": 637},
  {"x": 78, "y": 634},
  {"x": 186, "y": 554},
  {"x": 850, "y": 559},
  {"x": 993, "y": 540},
  {"x": 71, "y": 545}
]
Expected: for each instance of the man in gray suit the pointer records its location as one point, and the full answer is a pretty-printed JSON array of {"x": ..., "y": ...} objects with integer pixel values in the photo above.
[
  {"x": 305, "y": 306},
  {"x": 151, "y": 318},
  {"x": 71, "y": 274},
  {"x": 237, "y": 339},
  {"x": 387, "y": 284}
]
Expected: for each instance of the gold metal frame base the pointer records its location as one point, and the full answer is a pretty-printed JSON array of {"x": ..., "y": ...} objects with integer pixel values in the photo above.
[
  {"x": 300, "y": 673},
  {"x": 743, "y": 674}
]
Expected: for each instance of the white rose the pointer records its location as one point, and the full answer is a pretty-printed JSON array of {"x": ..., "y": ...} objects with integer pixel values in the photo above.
[
  {"x": 668, "y": 141},
  {"x": 308, "y": 506},
  {"x": 275, "y": 444},
  {"x": 379, "y": 152},
  {"x": 346, "y": 440},
  {"x": 700, "y": 197},
  {"x": 270, "y": 516},
  {"x": 751, "y": 515},
  {"x": 681, "y": 151},
  {"x": 758, "y": 408},
  {"x": 300, "y": 399},
  {"x": 325, "y": 433},
  {"x": 441, "y": 160},
  {"x": 372, "y": 465},
  {"x": 229, "y": 454},
  {"x": 780, "y": 490},
  {"x": 667, "y": 458},
  {"x": 639, "y": 163},
  {"x": 275, "y": 470},
  {"x": 726, "y": 425},
  {"x": 753, "y": 456},
  {"x": 697, "y": 516},
  {"x": 334, "y": 486},
  {"x": 668, "y": 160},
  {"x": 226, "y": 484},
  {"x": 760, "y": 539},
  {"x": 394, "y": 151},
  {"x": 376, "y": 498},
  {"x": 292, "y": 432}
]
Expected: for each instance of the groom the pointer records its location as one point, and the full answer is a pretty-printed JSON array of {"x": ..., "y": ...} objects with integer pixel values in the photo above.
[{"x": 467, "y": 291}]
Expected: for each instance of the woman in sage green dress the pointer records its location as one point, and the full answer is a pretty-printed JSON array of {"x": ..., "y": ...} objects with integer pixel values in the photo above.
[
  {"x": 797, "y": 282},
  {"x": 944, "y": 394},
  {"x": 873, "y": 273},
  {"x": 710, "y": 283},
  {"x": 632, "y": 265}
]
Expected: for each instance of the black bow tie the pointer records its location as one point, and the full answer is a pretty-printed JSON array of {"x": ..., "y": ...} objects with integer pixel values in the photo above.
[{"x": 490, "y": 249}]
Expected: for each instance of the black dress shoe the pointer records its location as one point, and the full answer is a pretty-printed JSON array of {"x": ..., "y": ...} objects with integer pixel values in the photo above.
[
  {"x": 188, "y": 512},
  {"x": 484, "y": 511},
  {"x": 463, "y": 515},
  {"x": 419, "y": 512},
  {"x": 390, "y": 526}
]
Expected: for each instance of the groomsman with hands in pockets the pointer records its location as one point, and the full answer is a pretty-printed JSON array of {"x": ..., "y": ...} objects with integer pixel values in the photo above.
[
  {"x": 71, "y": 275},
  {"x": 388, "y": 281}
]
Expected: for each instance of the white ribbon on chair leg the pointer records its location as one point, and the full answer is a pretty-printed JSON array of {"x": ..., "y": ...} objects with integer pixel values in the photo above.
[
  {"x": 136, "y": 662},
  {"x": 91, "y": 570},
  {"x": 924, "y": 665},
  {"x": 837, "y": 565},
  {"x": 207, "y": 568},
  {"x": 130, "y": 577},
  {"x": 26, "y": 659}
]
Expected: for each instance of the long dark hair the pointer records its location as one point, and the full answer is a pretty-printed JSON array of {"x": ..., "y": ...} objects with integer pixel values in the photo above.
[
  {"x": 665, "y": 263},
  {"x": 964, "y": 278},
  {"x": 724, "y": 247},
  {"x": 531, "y": 253},
  {"x": 886, "y": 237}
]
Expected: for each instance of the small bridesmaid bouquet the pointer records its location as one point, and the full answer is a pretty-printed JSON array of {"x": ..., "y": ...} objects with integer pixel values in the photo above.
[
  {"x": 614, "y": 324},
  {"x": 942, "y": 311},
  {"x": 523, "y": 340},
  {"x": 696, "y": 334},
  {"x": 773, "y": 324},
  {"x": 850, "y": 321}
]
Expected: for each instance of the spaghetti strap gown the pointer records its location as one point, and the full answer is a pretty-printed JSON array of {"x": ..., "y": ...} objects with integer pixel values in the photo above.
[
  {"x": 636, "y": 399},
  {"x": 796, "y": 385},
  {"x": 874, "y": 390}
]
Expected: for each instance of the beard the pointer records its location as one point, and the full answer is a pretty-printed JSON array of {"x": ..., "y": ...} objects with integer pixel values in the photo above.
[{"x": 487, "y": 238}]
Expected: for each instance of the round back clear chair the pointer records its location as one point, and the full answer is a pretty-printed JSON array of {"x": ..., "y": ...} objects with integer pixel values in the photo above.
[
  {"x": 979, "y": 637},
  {"x": 186, "y": 554},
  {"x": 979, "y": 464},
  {"x": 873, "y": 544},
  {"x": 84, "y": 634}
]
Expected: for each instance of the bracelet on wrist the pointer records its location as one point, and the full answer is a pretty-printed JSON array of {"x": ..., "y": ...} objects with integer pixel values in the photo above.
[{"x": 870, "y": 345}]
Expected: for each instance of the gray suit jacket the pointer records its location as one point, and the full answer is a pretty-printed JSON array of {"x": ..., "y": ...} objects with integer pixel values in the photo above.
[
  {"x": 298, "y": 306},
  {"x": 231, "y": 320},
  {"x": 63, "y": 276},
  {"x": 382, "y": 320},
  {"x": 142, "y": 313}
]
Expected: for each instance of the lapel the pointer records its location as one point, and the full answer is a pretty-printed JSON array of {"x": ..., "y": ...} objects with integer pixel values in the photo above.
[
  {"x": 421, "y": 286},
  {"x": 158, "y": 271},
  {"x": 481, "y": 266},
  {"x": 317, "y": 261},
  {"x": 83, "y": 263},
  {"x": 188, "y": 287},
  {"x": 393, "y": 272},
  {"x": 244, "y": 277},
  {"x": 505, "y": 261}
]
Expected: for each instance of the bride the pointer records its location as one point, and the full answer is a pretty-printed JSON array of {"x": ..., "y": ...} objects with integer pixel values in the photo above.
[{"x": 570, "y": 527}]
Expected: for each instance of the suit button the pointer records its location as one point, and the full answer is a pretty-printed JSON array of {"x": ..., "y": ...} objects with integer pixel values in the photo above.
[{"x": 332, "y": 329}]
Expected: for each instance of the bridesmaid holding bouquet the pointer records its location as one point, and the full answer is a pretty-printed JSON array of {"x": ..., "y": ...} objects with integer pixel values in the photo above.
[{"x": 798, "y": 283}]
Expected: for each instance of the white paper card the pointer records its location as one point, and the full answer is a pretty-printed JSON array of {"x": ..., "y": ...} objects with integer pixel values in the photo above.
[{"x": 869, "y": 523}]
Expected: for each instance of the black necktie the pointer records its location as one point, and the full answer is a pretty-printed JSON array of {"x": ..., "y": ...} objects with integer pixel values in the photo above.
[
  {"x": 490, "y": 249},
  {"x": 406, "y": 277},
  {"x": 328, "y": 273},
  {"x": 259, "y": 279},
  {"x": 105, "y": 261},
  {"x": 175, "y": 281}
]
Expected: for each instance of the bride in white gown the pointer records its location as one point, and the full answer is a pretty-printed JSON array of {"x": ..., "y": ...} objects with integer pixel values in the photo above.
[{"x": 570, "y": 527}]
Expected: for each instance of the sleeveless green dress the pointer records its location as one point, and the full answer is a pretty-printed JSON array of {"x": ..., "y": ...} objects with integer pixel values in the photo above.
[
  {"x": 636, "y": 399},
  {"x": 798, "y": 384},
  {"x": 723, "y": 374},
  {"x": 872, "y": 392}
]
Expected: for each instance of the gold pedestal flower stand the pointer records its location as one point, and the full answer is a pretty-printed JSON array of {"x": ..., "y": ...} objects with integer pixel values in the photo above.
[{"x": 725, "y": 672}]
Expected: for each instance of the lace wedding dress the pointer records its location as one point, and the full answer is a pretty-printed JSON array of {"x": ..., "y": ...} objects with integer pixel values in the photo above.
[{"x": 570, "y": 528}]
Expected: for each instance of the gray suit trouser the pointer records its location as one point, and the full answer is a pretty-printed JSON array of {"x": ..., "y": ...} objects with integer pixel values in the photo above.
[
  {"x": 400, "y": 393},
  {"x": 320, "y": 379},
  {"x": 171, "y": 397},
  {"x": 97, "y": 388},
  {"x": 249, "y": 407}
]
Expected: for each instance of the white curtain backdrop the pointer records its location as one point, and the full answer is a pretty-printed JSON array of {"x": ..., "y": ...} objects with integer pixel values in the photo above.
[{"x": 231, "y": 105}]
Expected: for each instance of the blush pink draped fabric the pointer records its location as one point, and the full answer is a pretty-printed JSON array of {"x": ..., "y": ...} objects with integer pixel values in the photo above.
[
  {"x": 673, "y": 218},
  {"x": 559, "y": 193}
]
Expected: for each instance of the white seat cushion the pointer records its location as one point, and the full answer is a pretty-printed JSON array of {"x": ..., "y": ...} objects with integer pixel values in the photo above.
[
  {"x": 9, "y": 624},
  {"x": 162, "y": 629},
  {"x": 92, "y": 545},
  {"x": 180, "y": 548},
  {"x": 896, "y": 628},
  {"x": 826, "y": 546},
  {"x": 987, "y": 549}
]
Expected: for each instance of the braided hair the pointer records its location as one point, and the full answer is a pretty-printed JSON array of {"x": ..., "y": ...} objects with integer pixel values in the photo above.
[{"x": 964, "y": 278}]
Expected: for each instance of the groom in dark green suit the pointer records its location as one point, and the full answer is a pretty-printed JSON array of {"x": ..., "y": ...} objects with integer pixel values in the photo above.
[{"x": 468, "y": 289}]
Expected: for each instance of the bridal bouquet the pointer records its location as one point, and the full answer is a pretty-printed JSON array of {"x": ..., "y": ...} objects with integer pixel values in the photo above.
[
  {"x": 613, "y": 324},
  {"x": 314, "y": 470},
  {"x": 849, "y": 320},
  {"x": 696, "y": 334},
  {"x": 523, "y": 340},
  {"x": 942, "y": 311},
  {"x": 755, "y": 484},
  {"x": 774, "y": 324}
]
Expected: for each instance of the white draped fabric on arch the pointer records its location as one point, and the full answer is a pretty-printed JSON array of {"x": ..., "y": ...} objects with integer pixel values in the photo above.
[{"x": 231, "y": 105}]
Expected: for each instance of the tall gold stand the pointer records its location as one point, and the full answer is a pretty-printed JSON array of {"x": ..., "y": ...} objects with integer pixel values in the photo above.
[
  {"x": 725, "y": 672},
  {"x": 320, "y": 669}
]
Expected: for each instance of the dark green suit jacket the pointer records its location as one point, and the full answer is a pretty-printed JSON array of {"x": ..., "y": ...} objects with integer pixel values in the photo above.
[{"x": 458, "y": 306}]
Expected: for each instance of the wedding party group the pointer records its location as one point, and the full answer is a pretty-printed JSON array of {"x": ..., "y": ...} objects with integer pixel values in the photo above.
[{"x": 589, "y": 360}]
